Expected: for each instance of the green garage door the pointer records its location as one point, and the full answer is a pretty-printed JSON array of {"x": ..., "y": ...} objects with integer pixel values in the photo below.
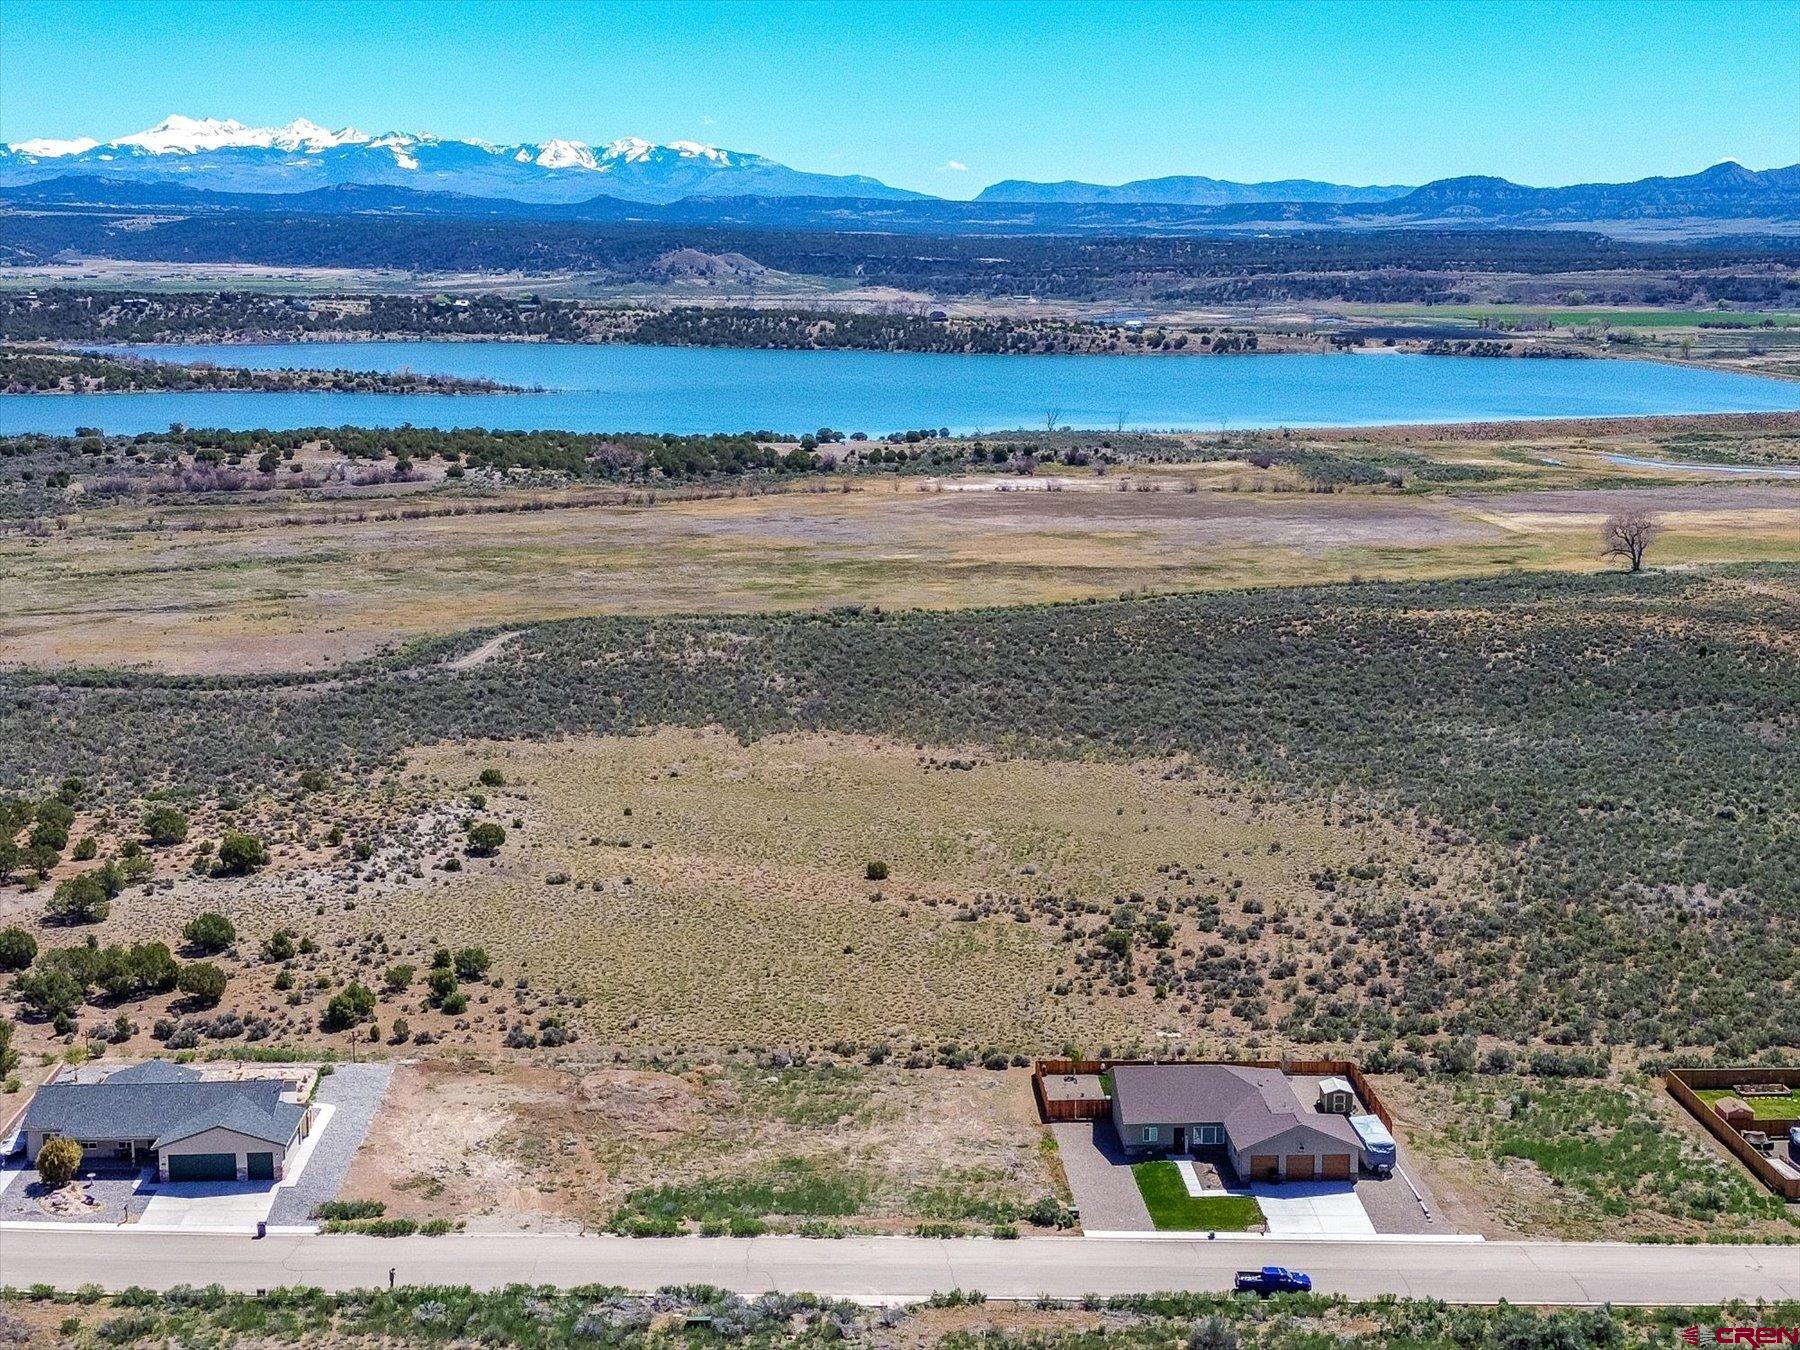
[
  {"x": 262, "y": 1166},
  {"x": 202, "y": 1166}
]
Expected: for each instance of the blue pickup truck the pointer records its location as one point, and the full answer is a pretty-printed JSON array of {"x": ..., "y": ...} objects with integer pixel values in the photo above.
[{"x": 1272, "y": 1280}]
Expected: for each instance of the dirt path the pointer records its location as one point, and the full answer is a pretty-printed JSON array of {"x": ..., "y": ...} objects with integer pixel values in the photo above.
[{"x": 486, "y": 652}]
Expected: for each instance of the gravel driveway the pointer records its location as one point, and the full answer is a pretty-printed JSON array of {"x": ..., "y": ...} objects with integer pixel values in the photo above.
[
  {"x": 1100, "y": 1176},
  {"x": 356, "y": 1091}
]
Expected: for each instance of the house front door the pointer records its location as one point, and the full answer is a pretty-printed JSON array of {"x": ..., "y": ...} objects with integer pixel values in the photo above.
[{"x": 1181, "y": 1141}]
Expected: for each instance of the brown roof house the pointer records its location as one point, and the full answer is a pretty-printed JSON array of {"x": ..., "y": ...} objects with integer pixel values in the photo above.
[{"x": 1252, "y": 1115}]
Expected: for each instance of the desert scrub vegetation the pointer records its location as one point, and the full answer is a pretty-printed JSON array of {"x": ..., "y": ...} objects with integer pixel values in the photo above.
[
  {"x": 1621, "y": 752},
  {"x": 699, "y": 1316},
  {"x": 519, "y": 1315},
  {"x": 1590, "y": 1159}
]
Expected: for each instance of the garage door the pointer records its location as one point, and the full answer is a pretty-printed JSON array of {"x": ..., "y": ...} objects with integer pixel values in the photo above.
[
  {"x": 1335, "y": 1166},
  {"x": 202, "y": 1166},
  {"x": 1262, "y": 1166},
  {"x": 1299, "y": 1167},
  {"x": 262, "y": 1167}
]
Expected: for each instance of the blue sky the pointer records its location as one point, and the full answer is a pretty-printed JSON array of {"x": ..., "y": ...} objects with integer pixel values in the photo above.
[{"x": 950, "y": 97}]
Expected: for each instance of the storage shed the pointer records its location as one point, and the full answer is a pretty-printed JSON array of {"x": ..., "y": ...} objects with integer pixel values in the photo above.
[{"x": 1734, "y": 1112}]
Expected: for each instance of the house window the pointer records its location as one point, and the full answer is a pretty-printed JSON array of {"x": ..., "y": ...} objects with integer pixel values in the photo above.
[
  {"x": 1209, "y": 1134},
  {"x": 1149, "y": 1134}
]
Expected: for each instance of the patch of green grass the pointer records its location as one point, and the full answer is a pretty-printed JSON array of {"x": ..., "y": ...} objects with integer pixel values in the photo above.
[
  {"x": 794, "y": 1187},
  {"x": 1608, "y": 1150},
  {"x": 1784, "y": 1107},
  {"x": 1172, "y": 1208},
  {"x": 806, "y": 1096},
  {"x": 975, "y": 1195}
]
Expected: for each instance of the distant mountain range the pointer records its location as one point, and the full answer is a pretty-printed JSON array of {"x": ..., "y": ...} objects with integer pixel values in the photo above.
[
  {"x": 1185, "y": 191},
  {"x": 224, "y": 156},
  {"x": 303, "y": 166}
]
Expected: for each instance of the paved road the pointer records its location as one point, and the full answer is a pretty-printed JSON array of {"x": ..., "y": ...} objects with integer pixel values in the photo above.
[{"x": 894, "y": 1268}]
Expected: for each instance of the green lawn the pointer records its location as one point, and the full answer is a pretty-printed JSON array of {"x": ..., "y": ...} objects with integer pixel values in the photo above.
[
  {"x": 1171, "y": 1207},
  {"x": 1763, "y": 1108}
]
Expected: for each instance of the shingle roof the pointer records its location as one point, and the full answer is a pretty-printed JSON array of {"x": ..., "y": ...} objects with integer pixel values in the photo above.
[
  {"x": 154, "y": 1071},
  {"x": 1254, "y": 1105},
  {"x": 152, "y": 1105}
]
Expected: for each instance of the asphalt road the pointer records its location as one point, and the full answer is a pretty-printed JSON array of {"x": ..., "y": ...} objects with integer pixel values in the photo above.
[{"x": 905, "y": 1267}]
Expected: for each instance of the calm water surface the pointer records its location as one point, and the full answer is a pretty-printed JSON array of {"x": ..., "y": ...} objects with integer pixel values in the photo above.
[{"x": 694, "y": 389}]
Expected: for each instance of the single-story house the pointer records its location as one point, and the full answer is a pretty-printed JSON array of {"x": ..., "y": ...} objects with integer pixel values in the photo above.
[
  {"x": 1251, "y": 1115},
  {"x": 1337, "y": 1097},
  {"x": 169, "y": 1117}
]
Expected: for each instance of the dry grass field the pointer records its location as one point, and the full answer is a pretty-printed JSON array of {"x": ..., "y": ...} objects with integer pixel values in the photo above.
[
  {"x": 240, "y": 587},
  {"x": 716, "y": 893},
  {"x": 679, "y": 892}
]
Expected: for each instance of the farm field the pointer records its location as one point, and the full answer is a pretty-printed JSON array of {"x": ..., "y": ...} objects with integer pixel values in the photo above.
[{"x": 213, "y": 585}]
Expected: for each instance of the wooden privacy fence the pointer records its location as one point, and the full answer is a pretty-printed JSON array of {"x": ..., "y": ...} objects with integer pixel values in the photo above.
[
  {"x": 1681, "y": 1084},
  {"x": 1089, "y": 1108}
]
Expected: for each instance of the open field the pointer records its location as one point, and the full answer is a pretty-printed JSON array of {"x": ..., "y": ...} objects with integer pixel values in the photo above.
[
  {"x": 217, "y": 584},
  {"x": 1532, "y": 778},
  {"x": 862, "y": 853},
  {"x": 687, "y": 855},
  {"x": 1579, "y": 1160},
  {"x": 639, "y": 869}
]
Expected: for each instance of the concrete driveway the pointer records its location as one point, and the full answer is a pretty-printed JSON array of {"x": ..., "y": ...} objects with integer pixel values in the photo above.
[
  {"x": 209, "y": 1206},
  {"x": 228, "y": 1206},
  {"x": 1313, "y": 1209}
]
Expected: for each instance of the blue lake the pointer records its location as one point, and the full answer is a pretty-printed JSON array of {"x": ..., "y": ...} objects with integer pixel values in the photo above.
[{"x": 695, "y": 389}]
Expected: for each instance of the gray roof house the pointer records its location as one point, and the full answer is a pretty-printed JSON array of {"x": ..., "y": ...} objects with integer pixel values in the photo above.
[
  {"x": 170, "y": 1117},
  {"x": 1252, "y": 1115}
]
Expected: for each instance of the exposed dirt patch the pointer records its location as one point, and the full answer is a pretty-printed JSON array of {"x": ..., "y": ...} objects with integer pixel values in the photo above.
[{"x": 543, "y": 1147}]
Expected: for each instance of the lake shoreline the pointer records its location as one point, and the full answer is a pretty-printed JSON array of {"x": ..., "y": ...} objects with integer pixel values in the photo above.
[{"x": 619, "y": 388}]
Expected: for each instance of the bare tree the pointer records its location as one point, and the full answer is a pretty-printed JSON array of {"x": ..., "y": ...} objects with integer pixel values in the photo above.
[
  {"x": 1051, "y": 417},
  {"x": 1628, "y": 534}
]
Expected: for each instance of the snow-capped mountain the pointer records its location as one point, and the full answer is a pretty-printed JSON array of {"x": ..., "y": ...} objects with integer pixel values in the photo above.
[{"x": 227, "y": 156}]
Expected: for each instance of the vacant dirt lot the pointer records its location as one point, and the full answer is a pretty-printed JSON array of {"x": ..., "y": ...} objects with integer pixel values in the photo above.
[{"x": 558, "y": 1146}]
